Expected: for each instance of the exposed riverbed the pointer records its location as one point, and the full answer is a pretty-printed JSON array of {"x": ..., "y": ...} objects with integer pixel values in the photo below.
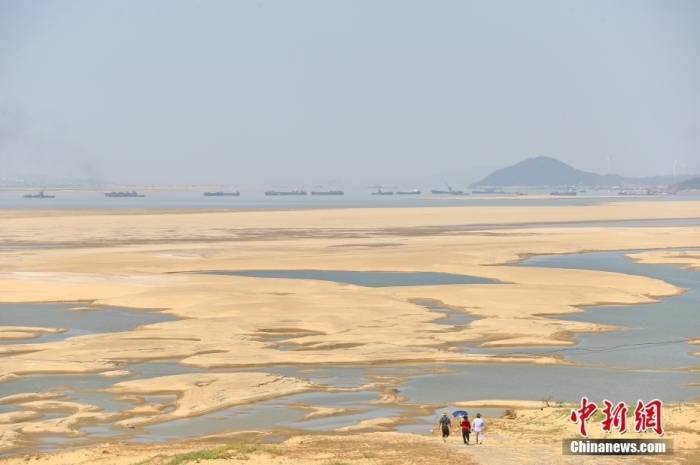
[{"x": 646, "y": 358}]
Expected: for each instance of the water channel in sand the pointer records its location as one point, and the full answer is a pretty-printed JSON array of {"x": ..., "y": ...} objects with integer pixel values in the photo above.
[{"x": 644, "y": 359}]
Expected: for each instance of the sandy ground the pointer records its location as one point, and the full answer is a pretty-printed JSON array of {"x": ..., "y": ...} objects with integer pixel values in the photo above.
[
  {"x": 138, "y": 259},
  {"x": 25, "y": 332},
  {"x": 530, "y": 434},
  {"x": 200, "y": 393},
  {"x": 360, "y": 449},
  {"x": 687, "y": 258},
  {"x": 103, "y": 226}
]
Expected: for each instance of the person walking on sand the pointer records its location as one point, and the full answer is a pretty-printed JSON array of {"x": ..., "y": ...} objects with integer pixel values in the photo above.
[
  {"x": 445, "y": 424},
  {"x": 478, "y": 427},
  {"x": 466, "y": 428}
]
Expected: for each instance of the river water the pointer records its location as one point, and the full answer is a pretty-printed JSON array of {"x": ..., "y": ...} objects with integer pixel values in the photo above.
[
  {"x": 255, "y": 199},
  {"x": 645, "y": 359}
]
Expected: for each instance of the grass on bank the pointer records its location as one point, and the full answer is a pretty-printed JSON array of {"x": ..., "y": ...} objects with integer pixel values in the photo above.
[{"x": 238, "y": 451}]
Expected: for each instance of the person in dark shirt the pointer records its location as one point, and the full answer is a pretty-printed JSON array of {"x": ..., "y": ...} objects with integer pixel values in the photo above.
[
  {"x": 445, "y": 424},
  {"x": 466, "y": 429}
]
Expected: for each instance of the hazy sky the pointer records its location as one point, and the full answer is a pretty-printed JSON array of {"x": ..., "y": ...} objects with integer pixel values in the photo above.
[{"x": 357, "y": 91}]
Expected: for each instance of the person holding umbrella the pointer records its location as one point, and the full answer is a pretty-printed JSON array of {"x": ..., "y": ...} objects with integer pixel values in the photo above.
[{"x": 466, "y": 428}]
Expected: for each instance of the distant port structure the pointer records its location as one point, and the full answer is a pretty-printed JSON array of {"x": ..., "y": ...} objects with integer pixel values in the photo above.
[
  {"x": 449, "y": 191},
  {"x": 286, "y": 192},
  {"x": 379, "y": 190},
  {"x": 124, "y": 194},
  {"x": 489, "y": 190},
  {"x": 570, "y": 192},
  {"x": 39, "y": 195},
  {"x": 328, "y": 192},
  {"x": 222, "y": 194}
]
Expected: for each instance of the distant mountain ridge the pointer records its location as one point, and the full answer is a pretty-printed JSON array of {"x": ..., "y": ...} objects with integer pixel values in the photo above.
[{"x": 548, "y": 171}]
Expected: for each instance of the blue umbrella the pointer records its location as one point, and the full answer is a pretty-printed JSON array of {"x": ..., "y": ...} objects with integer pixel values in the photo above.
[{"x": 460, "y": 413}]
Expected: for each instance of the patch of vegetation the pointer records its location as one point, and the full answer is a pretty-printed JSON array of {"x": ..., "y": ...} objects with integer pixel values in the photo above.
[{"x": 238, "y": 451}]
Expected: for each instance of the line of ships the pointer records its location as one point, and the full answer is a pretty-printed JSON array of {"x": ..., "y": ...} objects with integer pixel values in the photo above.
[
  {"x": 292, "y": 192},
  {"x": 378, "y": 191}
]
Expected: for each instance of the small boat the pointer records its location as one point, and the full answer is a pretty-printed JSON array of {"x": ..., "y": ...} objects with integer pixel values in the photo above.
[
  {"x": 40, "y": 195},
  {"x": 331, "y": 192},
  {"x": 290, "y": 192},
  {"x": 381, "y": 191},
  {"x": 222, "y": 194},
  {"x": 124, "y": 194},
  {"x": 411, "y": 192}
]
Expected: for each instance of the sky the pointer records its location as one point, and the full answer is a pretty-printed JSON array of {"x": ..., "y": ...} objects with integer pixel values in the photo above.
[{"x": 345, "y": 92}]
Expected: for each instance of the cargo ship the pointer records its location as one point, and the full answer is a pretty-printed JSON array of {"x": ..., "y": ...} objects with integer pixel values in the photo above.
[
  {"x": 411, "y": 192},
  {"x": 291, "y": 192},
  {"x": 331, "y": 192},
  {"x": 124, "y": 194},
  {"x": 40, "y": 195},
  {"x": 449, "y": 191},
  {"x": 222, "y": 194}
]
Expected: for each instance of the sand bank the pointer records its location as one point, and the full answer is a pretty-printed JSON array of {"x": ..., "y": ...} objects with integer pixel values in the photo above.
[
  {"x": 22, "y": 425},
  {"x": 196, "y": 394},
  {"x": 25, "y": 332},
  {"x": 687, "y": 258},
  {"x": 530, "y": 436},
  {"x": 322, "y": 412},
  {"x": 356, "y": 449},
  {"x": 142, "y": 260},
  {"x": 201, "y": 393},
  {"x": 104, "y": 227},
  {"x": 503, "y": 403},
  {"x": 331, "y": 323}
]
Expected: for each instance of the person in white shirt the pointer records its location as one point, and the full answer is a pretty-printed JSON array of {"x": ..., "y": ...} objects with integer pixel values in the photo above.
[{"x": 478, "y": 427}]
